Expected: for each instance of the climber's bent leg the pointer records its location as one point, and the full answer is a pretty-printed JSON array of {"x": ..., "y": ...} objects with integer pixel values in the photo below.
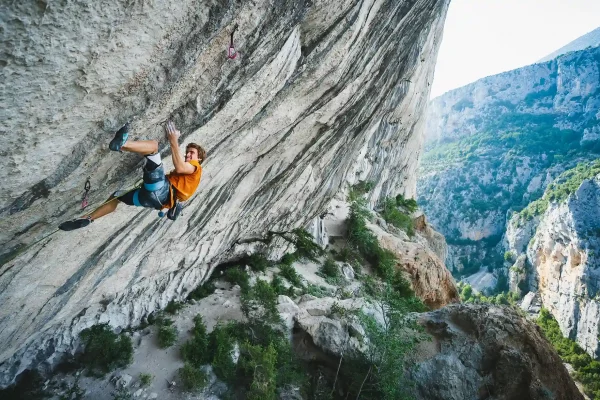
[
  {"x": 120, "y": 143},
  {"x": 143, "y": 147}
]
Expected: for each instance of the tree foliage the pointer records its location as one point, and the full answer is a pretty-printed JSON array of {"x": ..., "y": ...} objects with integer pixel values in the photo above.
[{"x": 587, "y": 370}]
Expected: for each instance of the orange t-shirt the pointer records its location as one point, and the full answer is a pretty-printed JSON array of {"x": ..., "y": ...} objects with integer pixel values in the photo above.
[{"x": 185, "y": 184}]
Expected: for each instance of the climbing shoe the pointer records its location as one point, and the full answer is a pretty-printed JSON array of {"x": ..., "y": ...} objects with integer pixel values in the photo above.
[
  {"x": 75, "y": 224},
  {"x": 120, "y": 138}
]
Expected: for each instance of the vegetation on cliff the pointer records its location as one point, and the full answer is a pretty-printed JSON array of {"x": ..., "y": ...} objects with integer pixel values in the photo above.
[
  {"x": 587, "y": 370},
  {"x": 567, "y": 183}
]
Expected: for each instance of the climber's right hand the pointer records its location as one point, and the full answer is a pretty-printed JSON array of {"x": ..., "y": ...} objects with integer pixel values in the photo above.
[{"x": 172, "y": 132}]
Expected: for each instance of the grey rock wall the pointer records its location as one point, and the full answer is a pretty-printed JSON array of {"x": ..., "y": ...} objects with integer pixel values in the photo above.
[
  {"x": 565, "y": 254},
  {"x": 321, "y": 93}
]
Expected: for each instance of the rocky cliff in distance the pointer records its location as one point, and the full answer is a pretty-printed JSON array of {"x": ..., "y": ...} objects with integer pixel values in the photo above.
[
  {"x": 565, "y": 89},
  {"x": 323, "y": 93},
  {"x": 563, "y": 254},
  {"x": 494, "y": 145}
]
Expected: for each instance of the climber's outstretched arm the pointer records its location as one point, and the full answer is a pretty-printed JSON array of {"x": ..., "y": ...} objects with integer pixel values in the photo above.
[{"x": 181, "y": 167}]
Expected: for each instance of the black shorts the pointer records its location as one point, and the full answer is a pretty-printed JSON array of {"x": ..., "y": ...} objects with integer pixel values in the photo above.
[{"x": 154, "y": 192}]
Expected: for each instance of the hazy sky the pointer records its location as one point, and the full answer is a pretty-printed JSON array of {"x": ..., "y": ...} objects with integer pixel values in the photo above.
[{"x": 485, "y": 37}]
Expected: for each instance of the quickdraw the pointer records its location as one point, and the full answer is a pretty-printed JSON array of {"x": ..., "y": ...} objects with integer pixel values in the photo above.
[
  {"x": 231, "y": 53},
  {"x": 85, "y": 198}
]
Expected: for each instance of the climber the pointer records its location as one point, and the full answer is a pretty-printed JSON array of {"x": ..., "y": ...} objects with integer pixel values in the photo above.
[{"x": 159, "y": 190}]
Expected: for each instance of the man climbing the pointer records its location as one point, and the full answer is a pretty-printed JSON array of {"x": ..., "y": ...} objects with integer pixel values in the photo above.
[{"x": 159, "y": 190}]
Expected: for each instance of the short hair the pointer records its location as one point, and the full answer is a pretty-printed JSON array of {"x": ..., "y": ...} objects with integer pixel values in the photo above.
[{"x": 201, "y": 151}]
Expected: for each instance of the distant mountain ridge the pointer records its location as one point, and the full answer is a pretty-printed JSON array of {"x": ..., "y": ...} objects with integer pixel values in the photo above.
[{"x": 591, "y": 39}]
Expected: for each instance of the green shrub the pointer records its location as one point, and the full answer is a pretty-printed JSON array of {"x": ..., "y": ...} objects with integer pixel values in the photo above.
[
  {"x": 193, "y": 378},
  {"x": 587, "y": 370},
  {"x": 362, "y": 239},
  {"x": 401, "y": 286},
  {"x": 266, "y": 360},
  {"x": 315, "y": 290},
  {"x": 360, "y": 189},
  {"x": 173, "y": 307},
  {"x": 289, "y": 273},
  {"x": 288, "y": 259},
  {"x": 305, "y": 246},
  {"x": 258, "y": 262},
  {"x": 509, "y": 256},
  {"x": 105, "y": 351},
  {"x": 344, "y": 255},
  {"x": 277, "y": 285},
  {"x": 468, "y": 295},
  {"x": 145, "y": 379},
  {"x": 330, "y": 269},
  {"x": 75, "y": 392},
  {"x": 280, "y": 289},
  {"x": 195, "y": 350},
  {"x": 379, "y": 373},
  {"x": 260, "y": 304},
  {"x": 222, "y": 344},
  {"x": 167, "y": 332},
  {"x": 502, "y": 283},
  {"x": 409, "y": 205},
  {"x": 203, "y": 291},
  {"x": 237, "y": 276},
  {"x": 393, "y": 216},
  {"x": 259, "y": 363},
  {"x": 120, "y": 394}
]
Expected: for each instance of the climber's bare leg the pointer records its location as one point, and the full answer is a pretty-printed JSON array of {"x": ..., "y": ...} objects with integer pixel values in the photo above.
[
  {"x": 104, "y": 209},
  {"x": 143, "y": 147}
]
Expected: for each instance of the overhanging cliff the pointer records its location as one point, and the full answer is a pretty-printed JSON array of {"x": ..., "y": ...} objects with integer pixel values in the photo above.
[{"x": 321, "y": 94}]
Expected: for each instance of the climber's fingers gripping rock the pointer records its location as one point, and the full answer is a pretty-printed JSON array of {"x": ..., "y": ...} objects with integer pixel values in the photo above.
[{"x": 172, "y": 132}]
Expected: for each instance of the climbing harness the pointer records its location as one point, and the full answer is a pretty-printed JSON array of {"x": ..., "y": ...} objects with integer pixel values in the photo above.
[
  {"x": 173, "y": 212},
  {"x": 231, "y": 53},
  {"x": 85, "y": 198}
]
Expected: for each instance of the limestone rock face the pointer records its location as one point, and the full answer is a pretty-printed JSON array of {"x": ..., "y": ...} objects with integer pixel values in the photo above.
[
  {"x": 434, "y": 239},
  {"x": 519, "y": 233},
  {"x": 321, "y": 93},
  {"x": 426, "y": 272},
  {"x": 483, "y": 351},
  {"x": 566, "y": 257},
  {"x": 517, "y": 276}
]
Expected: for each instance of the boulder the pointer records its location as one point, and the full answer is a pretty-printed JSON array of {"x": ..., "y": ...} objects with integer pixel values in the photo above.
[{"x": 484, "y": 351}]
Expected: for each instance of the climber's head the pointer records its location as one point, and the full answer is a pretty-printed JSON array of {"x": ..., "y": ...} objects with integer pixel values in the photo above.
[{"x": 194, "y": 152}]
